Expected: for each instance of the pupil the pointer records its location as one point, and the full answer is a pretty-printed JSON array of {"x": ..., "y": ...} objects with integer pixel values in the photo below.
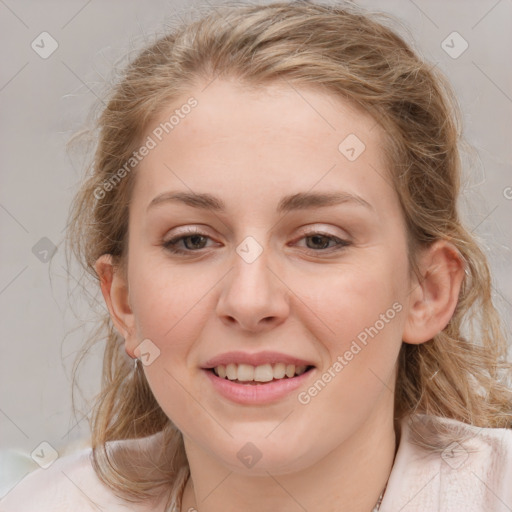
[
  {"x": 194, "y": 239},
  {"x": 320, "y": 237}
]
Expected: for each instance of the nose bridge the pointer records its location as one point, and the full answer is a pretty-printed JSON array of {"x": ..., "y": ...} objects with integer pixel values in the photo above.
[
  {"x": 252, "y": 295},
  {"x": 251, "y": 271},
  {"x": 252, "y": 266}
]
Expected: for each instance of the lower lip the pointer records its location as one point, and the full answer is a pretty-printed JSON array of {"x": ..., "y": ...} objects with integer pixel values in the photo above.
[{"x": 255, "y": 394}]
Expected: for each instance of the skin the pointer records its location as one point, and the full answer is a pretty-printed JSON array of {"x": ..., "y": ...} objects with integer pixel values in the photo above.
[{"x": 250, "y": 148}]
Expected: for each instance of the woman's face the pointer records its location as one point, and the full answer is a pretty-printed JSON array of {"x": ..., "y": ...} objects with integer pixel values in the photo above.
[{"x": 269, "y": 271}]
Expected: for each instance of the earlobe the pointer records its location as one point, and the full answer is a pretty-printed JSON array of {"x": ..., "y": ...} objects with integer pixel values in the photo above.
[
  {"x": 434, "y": 296},
  {"x": 115, "y": 292}
]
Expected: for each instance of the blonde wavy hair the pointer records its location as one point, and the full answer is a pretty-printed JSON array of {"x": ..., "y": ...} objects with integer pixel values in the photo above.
[{"x": 353, "y": 55}]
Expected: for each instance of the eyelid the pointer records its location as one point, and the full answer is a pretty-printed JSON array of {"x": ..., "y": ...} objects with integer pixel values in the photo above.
[
  {"x": 320, "y": 230},
  {"x": 187, "y": 231}
]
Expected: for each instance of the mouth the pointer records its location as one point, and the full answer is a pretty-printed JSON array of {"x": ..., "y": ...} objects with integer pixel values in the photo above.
[
  {"x": 257, "y": 378},
  {"x": 257, "y": 375}
]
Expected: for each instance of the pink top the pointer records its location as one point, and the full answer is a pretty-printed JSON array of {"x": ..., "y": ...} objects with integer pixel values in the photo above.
[{"x": 472, "y": 474}]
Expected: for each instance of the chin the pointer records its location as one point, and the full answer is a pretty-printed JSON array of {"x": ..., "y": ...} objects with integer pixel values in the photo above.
[{"x": 259, "y": 458}]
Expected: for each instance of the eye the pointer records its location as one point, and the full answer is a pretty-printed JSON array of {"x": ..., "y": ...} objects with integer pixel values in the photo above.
[
  {"x": 320, "y": 242},
  {"x": 194, "y": 241}
]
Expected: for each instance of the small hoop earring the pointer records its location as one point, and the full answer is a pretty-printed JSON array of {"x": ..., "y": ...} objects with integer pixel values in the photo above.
[{"x": 135, "y": 363}]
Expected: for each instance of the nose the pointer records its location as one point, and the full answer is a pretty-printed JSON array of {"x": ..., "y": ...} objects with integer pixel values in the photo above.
[{"x": 254, "y": 296}]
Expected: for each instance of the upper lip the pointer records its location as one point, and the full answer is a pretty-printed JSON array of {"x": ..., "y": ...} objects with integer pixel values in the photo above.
[{"x": 256, "y": 359}]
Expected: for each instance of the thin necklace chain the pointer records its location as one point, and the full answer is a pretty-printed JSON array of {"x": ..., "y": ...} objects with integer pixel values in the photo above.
[
  {"x": 376, "y": 508},
  {"x": 379, "y": 501}
]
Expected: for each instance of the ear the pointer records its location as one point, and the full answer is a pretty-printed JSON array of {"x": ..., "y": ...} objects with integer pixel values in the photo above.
[
  {"x": 434, "y": 294},
  {"x": 115, "y": 292}
]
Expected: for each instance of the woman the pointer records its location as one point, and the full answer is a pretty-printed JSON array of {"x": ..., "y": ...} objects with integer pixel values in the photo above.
[{"x": 272, "y": 218}]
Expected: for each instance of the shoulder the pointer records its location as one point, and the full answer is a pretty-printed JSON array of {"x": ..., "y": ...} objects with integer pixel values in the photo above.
[
  {"x": 70, "y": 483},
  {"x": 465, "y": 468}
]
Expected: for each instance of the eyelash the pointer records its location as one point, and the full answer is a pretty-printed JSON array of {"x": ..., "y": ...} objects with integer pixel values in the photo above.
[{"x": 170, "y": 244}]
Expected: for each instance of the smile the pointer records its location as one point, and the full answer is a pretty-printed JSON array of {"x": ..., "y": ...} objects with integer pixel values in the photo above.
[
  {"x": 247, "y": 373},
  {"x": 252, "y": 392}
]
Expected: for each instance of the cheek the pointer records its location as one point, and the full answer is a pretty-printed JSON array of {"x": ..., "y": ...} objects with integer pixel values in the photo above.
[
  {"x": 362, "y": 315},
  {"x": 166, "y": 303},
  {"x": 362, "y": 308},
  {"x": 168, "y": 310},
  {"x": 353, "y": 298}
]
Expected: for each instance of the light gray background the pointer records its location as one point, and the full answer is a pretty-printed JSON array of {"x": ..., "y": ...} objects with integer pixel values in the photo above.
[{"x": 44, "y": 101}]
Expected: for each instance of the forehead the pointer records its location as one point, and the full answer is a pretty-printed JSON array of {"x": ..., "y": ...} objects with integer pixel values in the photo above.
[{"x": 253, "y": 143}]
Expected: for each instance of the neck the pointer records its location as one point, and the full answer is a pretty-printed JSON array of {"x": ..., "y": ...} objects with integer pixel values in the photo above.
[{"x": 349, "y": 479}]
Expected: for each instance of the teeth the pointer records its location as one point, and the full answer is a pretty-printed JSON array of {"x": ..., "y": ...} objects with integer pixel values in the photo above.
[
  {"x": 221, "y": 371},
  {"x": 262, "y": 373},
  {"x": 232, "y": 372},
  {"x": 279, "y": 370},
  {"x": 245, "y": 372},
  {"x": 300, "y": 370},
  {"x": 290, "y": 370}
]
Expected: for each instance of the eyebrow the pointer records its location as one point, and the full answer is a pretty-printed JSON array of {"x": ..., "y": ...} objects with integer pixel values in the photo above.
[{"x": 298, "y": 201}]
